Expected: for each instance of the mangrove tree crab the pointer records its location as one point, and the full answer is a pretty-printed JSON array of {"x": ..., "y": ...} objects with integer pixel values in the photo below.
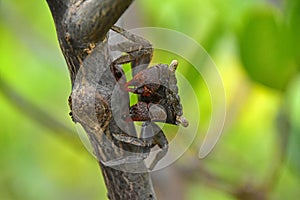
[{"x": 156, "y": 87}]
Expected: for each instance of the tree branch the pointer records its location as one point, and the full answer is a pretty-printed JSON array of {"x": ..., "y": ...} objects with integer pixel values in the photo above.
[{"x": 81, "y": 28}]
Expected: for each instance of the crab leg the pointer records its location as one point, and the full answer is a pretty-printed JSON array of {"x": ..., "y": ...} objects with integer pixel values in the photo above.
[
  {"x": 138, "y": 48},
  {"x": 158, "y": 138}
]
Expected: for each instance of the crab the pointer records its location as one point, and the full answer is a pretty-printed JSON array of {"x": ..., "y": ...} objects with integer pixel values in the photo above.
[{"x": 156, "y": 87}]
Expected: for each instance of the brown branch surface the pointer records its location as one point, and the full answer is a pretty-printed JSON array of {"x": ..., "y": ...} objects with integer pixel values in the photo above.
[{"x": 81, "y": 27}]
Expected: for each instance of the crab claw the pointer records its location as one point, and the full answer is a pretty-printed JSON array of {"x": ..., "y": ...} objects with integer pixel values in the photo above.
[
  {"x": 173, "y": 65},
  {"x": 157, "y": 113},
  {"x": 140, "y": 112},
  {"x": 181, "y": 120}
]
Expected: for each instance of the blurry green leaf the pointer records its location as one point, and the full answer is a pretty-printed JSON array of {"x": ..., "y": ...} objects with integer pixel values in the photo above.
[
  {"x": 213, "y": 36},
  {"x": 265, "y": 53},
  {"x": 294, "y": 149},
  {"x": 294, "y": 139},
  {"x": 294, "y": 27},
  {"x": 200, "y": 191}
]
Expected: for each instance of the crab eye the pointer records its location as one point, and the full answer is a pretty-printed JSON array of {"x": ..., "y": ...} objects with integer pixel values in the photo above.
[{"x": 173, "y": 65}]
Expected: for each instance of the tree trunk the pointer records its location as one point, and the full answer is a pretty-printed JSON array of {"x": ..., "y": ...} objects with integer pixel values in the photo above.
[{"x": 81, "y": 27}]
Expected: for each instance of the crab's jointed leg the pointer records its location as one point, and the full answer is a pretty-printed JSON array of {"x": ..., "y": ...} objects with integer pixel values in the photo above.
[{"x": 139, "y": 50}]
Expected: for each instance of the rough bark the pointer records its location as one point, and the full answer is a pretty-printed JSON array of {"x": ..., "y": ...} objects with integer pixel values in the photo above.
[{"x": 82, "y": 26}]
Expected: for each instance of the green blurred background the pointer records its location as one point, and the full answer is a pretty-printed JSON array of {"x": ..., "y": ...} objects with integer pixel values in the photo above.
[{"x": 256, "y": 47}]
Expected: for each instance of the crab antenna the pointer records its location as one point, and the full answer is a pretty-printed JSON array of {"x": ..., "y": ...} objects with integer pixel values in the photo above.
[{"x": 173, "y": 65}]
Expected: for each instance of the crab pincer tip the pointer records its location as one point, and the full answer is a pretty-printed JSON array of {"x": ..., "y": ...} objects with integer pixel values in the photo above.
[
  {"x": 182, "y": 120},
  {"x": 173, "y": 65}
]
